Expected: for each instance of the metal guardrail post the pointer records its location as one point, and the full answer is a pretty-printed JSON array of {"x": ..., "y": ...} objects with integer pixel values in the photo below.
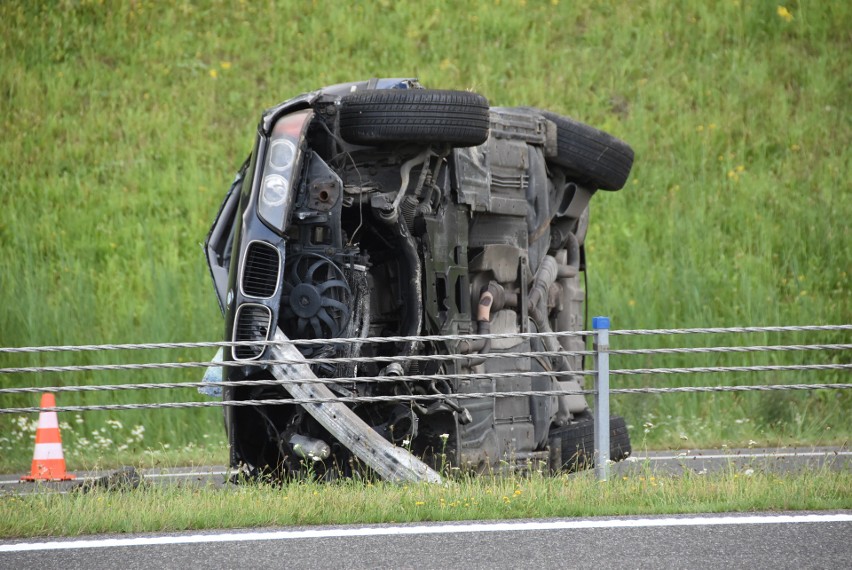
[{"x": 601, "y": 348}]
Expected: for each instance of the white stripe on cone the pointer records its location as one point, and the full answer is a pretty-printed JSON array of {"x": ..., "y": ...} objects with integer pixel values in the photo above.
[
  {"x": 48, "y": 451},
  {"x": 48, "y": 420}
]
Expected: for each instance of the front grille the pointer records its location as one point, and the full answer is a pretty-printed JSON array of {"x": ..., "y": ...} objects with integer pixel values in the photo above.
[
  {"x": 251, "y": 324},
  {"x": 261, "y": 270}
]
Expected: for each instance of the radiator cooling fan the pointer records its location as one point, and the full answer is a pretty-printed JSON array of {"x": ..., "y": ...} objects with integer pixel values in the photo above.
[{"x": 316, "y": 301}]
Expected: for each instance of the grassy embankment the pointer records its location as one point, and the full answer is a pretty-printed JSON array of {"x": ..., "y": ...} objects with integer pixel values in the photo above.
[
  {"x": 123, "y": 125},
  {"x": 163, "y": 509}
]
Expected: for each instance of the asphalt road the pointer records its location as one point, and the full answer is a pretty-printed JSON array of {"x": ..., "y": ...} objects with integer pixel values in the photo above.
[
  {"x": 777, "y": 541},
  {"x": 775, "y": 460}
]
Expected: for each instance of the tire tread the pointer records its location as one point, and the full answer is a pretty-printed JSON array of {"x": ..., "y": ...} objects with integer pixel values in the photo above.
[{"x": 459, "y": 118}]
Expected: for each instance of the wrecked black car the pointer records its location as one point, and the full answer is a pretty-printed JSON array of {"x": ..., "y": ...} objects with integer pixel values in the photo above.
[{"x": 383, "y": 209}]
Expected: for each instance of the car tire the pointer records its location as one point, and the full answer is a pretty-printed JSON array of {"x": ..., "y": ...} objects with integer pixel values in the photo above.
[
  {"x": 457, "y": 118},
  {"x": 592, "y": 156},
  {"x": 578, "y": 442}
]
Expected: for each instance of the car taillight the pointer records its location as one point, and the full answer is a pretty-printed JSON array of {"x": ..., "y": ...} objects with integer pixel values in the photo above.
[{"x": 283, "y": 155}]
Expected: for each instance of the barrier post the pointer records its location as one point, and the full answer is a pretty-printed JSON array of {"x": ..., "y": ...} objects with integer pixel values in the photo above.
[{"x": 601, "y": 349}]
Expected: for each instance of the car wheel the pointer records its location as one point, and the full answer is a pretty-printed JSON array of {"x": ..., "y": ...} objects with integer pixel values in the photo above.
[
  {"x": 578, "y": 442},
  {"x": 457, "y": 118},
  {"x": 592, "y": 156}
]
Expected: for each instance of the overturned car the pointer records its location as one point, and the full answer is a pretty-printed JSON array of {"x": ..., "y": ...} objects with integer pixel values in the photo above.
[{"x": 382, "y": 209}]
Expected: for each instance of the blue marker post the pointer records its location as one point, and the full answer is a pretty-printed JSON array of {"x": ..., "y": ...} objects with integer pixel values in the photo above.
[{"x": 601, "y": 348}]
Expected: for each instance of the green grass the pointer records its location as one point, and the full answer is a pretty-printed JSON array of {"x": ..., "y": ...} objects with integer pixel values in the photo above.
[
  {"x": 123, "y": 123},
  {"x": 164, "y": 509}
]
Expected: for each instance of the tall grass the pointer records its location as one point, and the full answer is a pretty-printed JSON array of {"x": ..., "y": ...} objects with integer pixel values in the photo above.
[{"x": 123, "y": 123}]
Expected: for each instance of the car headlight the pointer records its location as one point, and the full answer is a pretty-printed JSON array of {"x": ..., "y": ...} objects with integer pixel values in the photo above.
[
  {"x": 280, "y": 167},
  {"x": 275, "y": 191},
  {"x": 282, "y": 153}
]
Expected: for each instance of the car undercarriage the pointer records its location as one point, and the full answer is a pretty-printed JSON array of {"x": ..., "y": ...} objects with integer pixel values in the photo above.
[{"x": 381, "y": 209}]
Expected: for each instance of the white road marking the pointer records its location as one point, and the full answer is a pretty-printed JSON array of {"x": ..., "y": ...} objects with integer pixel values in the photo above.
[
  {"x": 174, "y": 475},
  {"x": 422, "y": 529},
  {"x": 635, "y": 458},
  {"x": 768, "y": 455},
  {"x": 180, "y": 475}
]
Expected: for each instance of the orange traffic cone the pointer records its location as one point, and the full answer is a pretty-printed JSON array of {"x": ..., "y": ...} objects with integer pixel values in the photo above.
[{"x": 48, "y": 461}]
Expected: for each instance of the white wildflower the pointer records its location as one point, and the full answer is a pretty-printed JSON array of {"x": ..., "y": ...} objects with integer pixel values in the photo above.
[{"x": 137, "y": 433}]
